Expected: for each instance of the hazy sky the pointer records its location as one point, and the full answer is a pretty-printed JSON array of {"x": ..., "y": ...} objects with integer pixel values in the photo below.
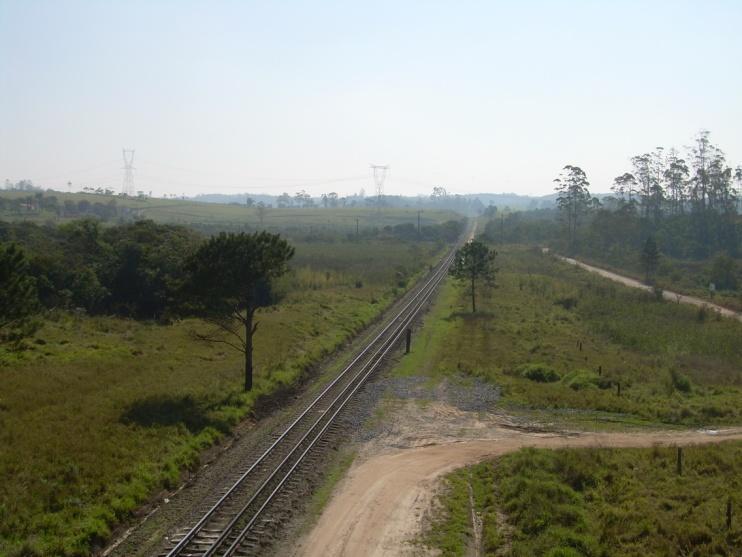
[{"x": 273, "y": 96}]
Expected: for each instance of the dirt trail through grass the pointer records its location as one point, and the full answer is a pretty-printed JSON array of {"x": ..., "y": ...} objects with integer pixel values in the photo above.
[
  {"x": 667, "y": 294},
  {"x": 381, "y": 505}
]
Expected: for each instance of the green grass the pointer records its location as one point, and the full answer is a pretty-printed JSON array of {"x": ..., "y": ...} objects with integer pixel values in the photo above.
[
  {"x": 595, "y": 502},
  {"x": 591, "y": 335},
  {"x": 451, "y": 531},
  {"x": 97, "y": 413}
]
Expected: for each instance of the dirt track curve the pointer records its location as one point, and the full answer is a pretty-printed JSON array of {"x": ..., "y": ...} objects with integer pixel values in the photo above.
[
  {"x": 667, "y": 294},
  {"x": 380, "y": 506}
]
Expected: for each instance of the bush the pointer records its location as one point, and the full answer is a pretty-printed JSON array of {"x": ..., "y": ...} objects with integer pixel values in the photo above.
[
  {"x": 540, "y": 373},
  {"x": 568, "y": 302},
  {"x": 580, "y": 379},
  {"x": 702, "y": 313},
  {"x": 680, "y": 382}
]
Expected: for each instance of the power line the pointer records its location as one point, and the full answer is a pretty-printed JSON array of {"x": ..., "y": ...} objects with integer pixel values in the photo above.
[{"x": 380, "y": 173}]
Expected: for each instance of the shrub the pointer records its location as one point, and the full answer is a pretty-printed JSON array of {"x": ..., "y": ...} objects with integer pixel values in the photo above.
[
  {"x": 702, "y": 313},
  {"x": 679, "y": 381},
  {"x": 580, "y": 379},
  {"x": 658, "y": 293},
  {"x": 540, "y": 373},
  {"x": 567, "y": 302}
]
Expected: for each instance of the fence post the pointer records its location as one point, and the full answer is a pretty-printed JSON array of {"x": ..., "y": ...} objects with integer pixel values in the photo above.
[
  {"x": 729, "y": 513},
  {"x": 408, "y": 341}
]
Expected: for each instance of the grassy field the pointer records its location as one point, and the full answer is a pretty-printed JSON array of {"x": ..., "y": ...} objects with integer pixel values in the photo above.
[
  {"x": 97, "y": 413},
  {"x": 205, "y": 215},
  {"x": 595, "y": 502},
  {"x": 560, "y": 340}
]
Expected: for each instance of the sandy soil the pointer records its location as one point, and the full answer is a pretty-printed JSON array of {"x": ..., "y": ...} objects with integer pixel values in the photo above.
[
  {"x": 667, "y": 294},
  {"x": 380, "y": 507}
]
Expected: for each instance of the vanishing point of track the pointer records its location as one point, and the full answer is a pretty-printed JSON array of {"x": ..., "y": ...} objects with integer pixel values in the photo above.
[{"x": 230, "y": 526}]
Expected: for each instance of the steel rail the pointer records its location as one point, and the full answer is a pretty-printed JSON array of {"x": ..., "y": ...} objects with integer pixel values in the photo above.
[
  {"x": 397, "y": 322},
  {"x": 346, "y": 398},
  {"x": 194, "y": 531},
  {"x": 343, "y": 397}
]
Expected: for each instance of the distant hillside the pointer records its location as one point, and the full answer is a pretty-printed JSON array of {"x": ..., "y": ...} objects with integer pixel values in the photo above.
[
  {"x": 239, "y": 198},
  {"x": 468, "y": 203}
]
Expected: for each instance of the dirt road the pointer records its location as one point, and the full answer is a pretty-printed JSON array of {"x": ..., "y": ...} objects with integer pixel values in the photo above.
[
  {"x": 667, "y": 294},
  {"x": 380, "y": 506}
]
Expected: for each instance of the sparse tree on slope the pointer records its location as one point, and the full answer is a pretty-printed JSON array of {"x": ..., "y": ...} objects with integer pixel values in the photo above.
[
  {"x": 472, "y": 263},
  {"x": 229, "y": 278}
]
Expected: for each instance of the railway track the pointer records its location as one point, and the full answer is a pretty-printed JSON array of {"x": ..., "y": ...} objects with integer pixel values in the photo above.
[{"x": 232, "y": 524}]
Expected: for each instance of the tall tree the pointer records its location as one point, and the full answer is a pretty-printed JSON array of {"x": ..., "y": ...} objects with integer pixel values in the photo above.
[
  {"x": 624, "y": 187},
  {"x": 284, "y": 200},
  {"x": 439, "y": 193},
  {"x": 229, "y": 279},
  {"x": 648, "y": 169},
  {"x": 657, "y": 192},
  {"x": 700, "y": 159},
  {"x": 574, "y": 198},
  {"x": 474, "y": 263},
  {"x": 18, "y": 298},
  {"x": 676, "y": 177},
  {"x": 721, "y": 191}
]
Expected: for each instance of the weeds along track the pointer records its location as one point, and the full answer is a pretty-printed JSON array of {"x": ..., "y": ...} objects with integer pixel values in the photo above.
[{"x": 237, "y": 522}]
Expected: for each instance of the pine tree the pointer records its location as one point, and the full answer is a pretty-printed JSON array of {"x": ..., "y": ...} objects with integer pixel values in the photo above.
[
  {"x": 650, "y": 257},
  {"x": 472, "y": 263},
  {"x": 229, "y": 279}
]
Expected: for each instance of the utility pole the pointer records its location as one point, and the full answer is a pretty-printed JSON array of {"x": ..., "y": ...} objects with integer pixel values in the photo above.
[
  {"x": 379, "y": 172},
  {"x": 128, "y": 185},
  {"x": 418, "y": 222}
]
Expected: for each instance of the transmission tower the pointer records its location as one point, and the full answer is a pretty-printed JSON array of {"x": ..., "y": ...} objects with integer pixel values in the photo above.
[
  {"x": 128, "y": 186},
  {"x": 380, "y": 172}
]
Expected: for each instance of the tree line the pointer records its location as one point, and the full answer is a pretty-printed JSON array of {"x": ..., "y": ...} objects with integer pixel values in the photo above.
[
  {"x": 39, "y": 202},
  {"x": 690, "y": 205},
  {"x": 134, "y": 269}
]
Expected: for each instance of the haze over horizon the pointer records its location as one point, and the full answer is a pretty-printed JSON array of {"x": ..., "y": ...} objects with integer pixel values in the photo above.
[{"x": 477, "y": 97}]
